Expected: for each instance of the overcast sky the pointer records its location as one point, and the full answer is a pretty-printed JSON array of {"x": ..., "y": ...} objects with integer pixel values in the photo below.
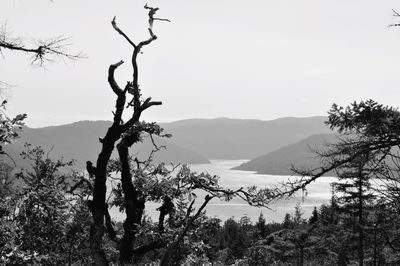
[{"x": 241, "y": 59}]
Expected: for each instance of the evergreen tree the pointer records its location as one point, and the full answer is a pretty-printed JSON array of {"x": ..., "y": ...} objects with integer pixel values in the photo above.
[
  {"x": 298, "y": 215},
  {"x": 314, "y": 216},
  {"x": 355, "y": 193},
  {"x": 261, "y": 226},
  {"x": 233, "y": 238},
  {"x": 287, "y": 221}
]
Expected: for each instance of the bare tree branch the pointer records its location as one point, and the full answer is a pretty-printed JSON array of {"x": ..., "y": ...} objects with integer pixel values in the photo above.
[
  {"x": 172, "y": 248},
  {"x": 148, "y": 103},
  {"x": 111, "y": 80},
  {"x": 152, "y": 12},
  {"x": 114, "y": 24}
]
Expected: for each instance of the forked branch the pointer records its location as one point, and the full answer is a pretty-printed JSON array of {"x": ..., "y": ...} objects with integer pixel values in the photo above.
[
  {"x": 172, "y": 248},
  {"x": 114, "y": 25}
]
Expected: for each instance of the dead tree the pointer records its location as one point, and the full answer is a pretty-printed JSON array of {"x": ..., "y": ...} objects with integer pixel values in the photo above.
[
  {"x": 128, "y": 134},
  {"x": 124, "y": 135}
]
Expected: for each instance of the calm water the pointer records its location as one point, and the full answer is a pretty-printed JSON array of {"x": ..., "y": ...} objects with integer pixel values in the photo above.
[{"x": 318, "y": 193}]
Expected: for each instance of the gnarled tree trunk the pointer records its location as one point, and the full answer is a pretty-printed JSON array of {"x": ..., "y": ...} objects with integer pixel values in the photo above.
[
  {"x": 98, "y": 204},
  {"x": 134, "y": 204}
]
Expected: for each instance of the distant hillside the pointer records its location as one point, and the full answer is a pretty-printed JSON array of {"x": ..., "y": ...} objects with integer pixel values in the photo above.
[
  {"x": 79, "y": 141},
  {"x": 224, "y": 138},
  {"x": 299, "y": 154},
  {"x": 193, "y": 141}
]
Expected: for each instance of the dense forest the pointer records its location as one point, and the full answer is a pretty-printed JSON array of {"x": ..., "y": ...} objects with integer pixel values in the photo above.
[{"x": 53, "y": 214}]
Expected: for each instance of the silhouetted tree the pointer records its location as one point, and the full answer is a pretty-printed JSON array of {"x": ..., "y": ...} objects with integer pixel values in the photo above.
[
  {"x": 287, "y": 221},
  {"x": 365, "y": 127},
  {"x": 314, "y": 216},
  {"x": 128, "y": 133},
  {"x": 261, "y": 226},
  {"x": 298, "y": 215},
  {"x": 142, "y": 181},
  {"x": 369, "y": 136},
  {"x": 355, "y": 193}
]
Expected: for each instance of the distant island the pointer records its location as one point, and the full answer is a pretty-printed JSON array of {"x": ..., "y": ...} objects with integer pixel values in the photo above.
[{"x": 299, "y": 154}]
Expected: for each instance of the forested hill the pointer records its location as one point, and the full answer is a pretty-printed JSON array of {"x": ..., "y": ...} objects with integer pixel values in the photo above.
[
  {"x": 225, "y": 138},
  {"x": 193, "y": 141},
  {"x": 299, "y": 154},
  {"x": 80, "y": 141}
]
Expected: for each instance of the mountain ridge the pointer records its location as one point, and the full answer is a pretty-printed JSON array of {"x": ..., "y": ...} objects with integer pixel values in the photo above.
[
  {"x": 80, "y": 141},
  {"x": 242, "y": 138},
  {"x": 193, "y": 140}
]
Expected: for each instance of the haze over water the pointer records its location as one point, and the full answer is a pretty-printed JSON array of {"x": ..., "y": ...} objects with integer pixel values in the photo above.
[{"x": 317, "y": 194}]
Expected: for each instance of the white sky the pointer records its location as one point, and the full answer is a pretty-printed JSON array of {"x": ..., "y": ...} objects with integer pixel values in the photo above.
[{"x": 259, "y": 59}]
